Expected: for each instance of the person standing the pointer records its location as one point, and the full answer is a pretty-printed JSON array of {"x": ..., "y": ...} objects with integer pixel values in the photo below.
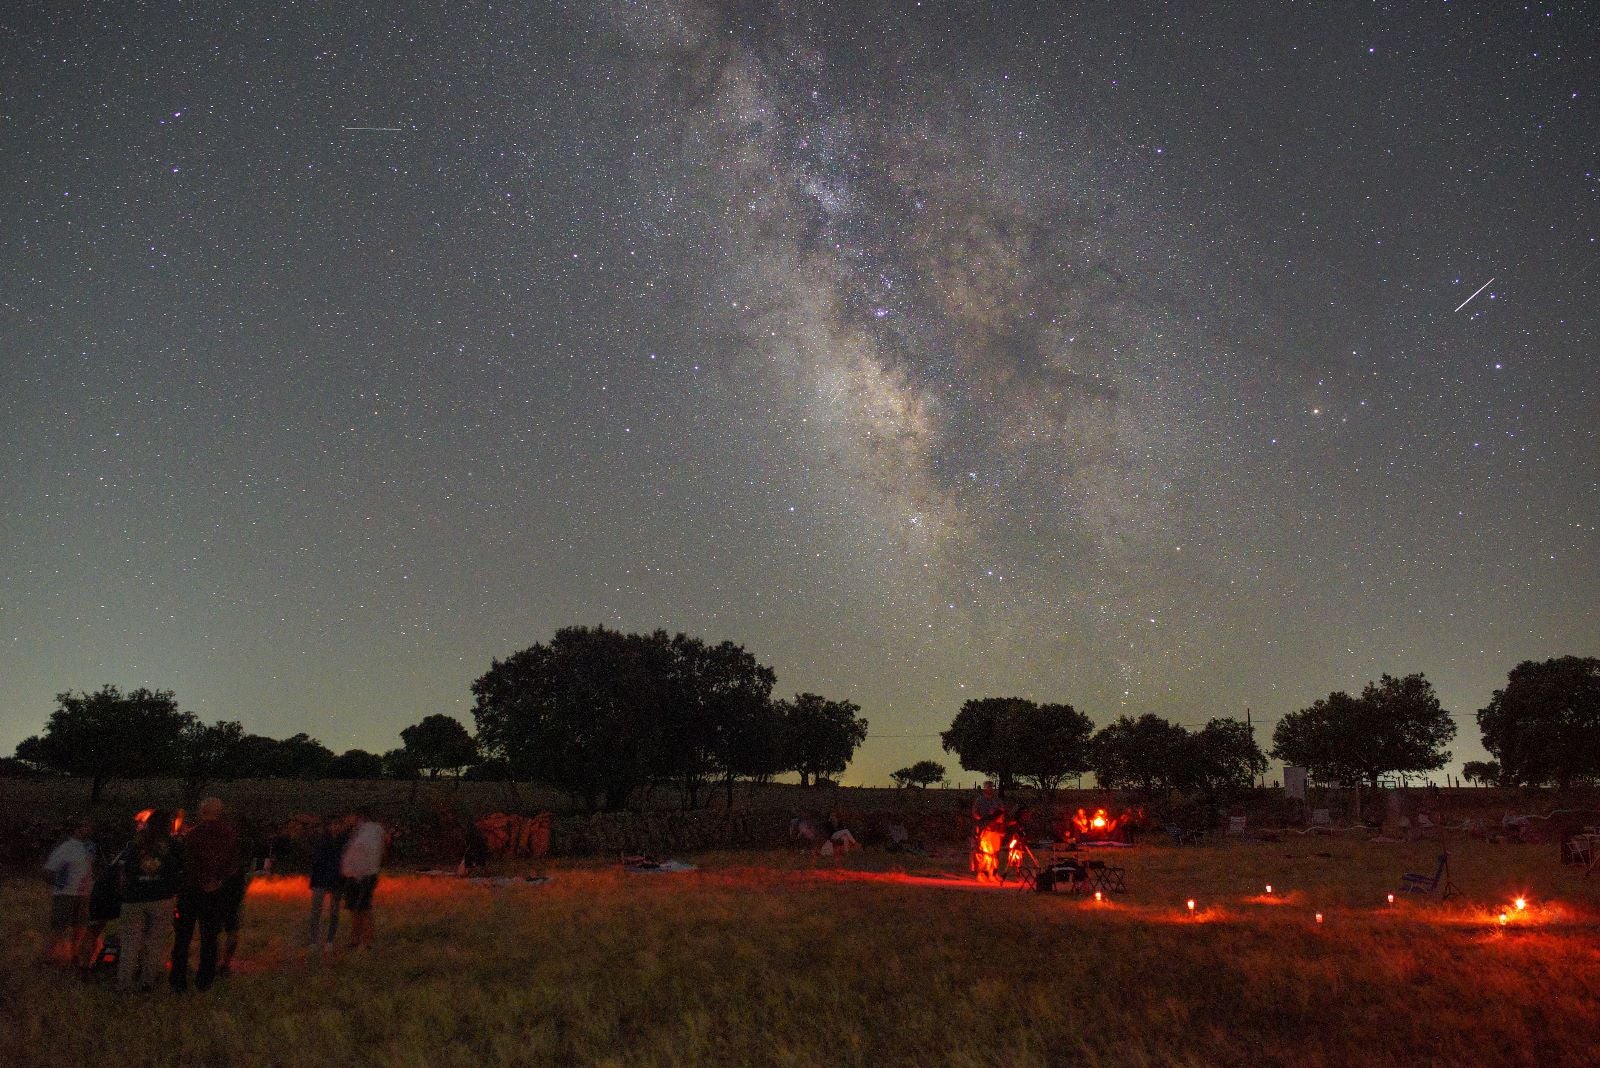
[
  {"x": 359, "y": 865},
  {"x": 327, "y": 884},
  {"x": 211, "y": 855},
  {"x": 70, "y": 869},
  {"x": 151, "y": 875},
  {"x": 988, "y": 834}
]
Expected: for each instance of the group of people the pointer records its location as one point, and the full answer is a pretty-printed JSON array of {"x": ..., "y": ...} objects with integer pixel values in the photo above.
[{"x": 172, "y": 879}]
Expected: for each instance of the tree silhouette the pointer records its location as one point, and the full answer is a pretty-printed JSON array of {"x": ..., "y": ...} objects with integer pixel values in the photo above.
[
  {"x": 209, "y": 751},
  {"x": 356, "y": 764},
  {"x": 582, "y": 713},
  {"x": 819, "y": 736},
  {"x": 1396, "y": 725},
  {"x": 988, "y": 736},
  {"x": 1544, "y": 725},
  {"x": 439, "y": 743},
  {"x": 1147, "y": 754},
  {"x": 107, "y": 734},
  {"x": 923, "y": 774}
]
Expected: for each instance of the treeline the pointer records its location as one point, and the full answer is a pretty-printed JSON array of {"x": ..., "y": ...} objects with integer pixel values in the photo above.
[
  {"x": 143, "y": 734},
  {"x": 610, "y": 717},
  {"x": 605, "y": 716},
  {"x": 1014, "y": 740},
  {"x": 1543, "y": 728}
]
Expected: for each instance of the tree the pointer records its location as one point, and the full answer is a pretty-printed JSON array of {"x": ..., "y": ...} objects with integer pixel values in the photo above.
[
  {"x": 1053, "y": 745},
  {"x": 1396, "y": 725},
  {"x": 819, "y": 736},
  {"x": 923, "y": 774},
  {"x": 439, "y": 743},
  {"x": 356, "y": 764},
  {"x": 1481, "y": 772},
  {"x": 399, "y": 764},
  {"x": 107, "y": 734},
  {"x": 1224, "y": 758},
  {"x": 298, "y": 756},
  {"x": 1544, "y": 726},
  {"x": 30, "y": 753},
  {"x": 14, "y": 768},
  {"x": 1146, "y": 754},
  {"x": 987, "y": 736},
  {"x": 209, "y": 752},
  {"x": 582, "y": 713},
  {"x": 717, "y": 720}
]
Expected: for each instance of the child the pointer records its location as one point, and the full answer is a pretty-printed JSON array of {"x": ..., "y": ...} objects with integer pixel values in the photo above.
[{"x": 70, "y": 869}]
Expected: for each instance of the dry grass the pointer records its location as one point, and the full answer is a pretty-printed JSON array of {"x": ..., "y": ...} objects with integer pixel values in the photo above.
[{"x": 768, "y": 959}]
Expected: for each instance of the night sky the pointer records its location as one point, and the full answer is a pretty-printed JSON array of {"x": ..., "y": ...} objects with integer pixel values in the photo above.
[{"x": 1107, "y": 353}]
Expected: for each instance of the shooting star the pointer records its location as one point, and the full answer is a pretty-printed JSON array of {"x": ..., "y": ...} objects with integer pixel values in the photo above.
[
  {"x": 376, "y": 129},
  {"x": 1480, "y": 289}
]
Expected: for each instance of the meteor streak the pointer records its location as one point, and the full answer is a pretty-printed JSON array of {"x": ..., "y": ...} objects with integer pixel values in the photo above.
[
  {"x": 376, "y": 129},
  {"x": 1480, "y": 289}
]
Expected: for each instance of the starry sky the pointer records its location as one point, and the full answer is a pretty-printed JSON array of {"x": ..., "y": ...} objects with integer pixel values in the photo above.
[{"x": 1107, "y": 353}]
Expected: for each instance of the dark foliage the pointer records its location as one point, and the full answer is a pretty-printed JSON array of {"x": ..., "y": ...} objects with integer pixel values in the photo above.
[
  {"x": 1395, "y": 726},
  {"x": 1544, "y": 726}
]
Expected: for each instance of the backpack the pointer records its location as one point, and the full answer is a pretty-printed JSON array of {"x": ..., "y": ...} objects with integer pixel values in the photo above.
[{"x": 105, "y": 897}]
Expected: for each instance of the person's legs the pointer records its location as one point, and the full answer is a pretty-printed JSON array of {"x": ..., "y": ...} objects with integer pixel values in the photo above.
[
  {"x": 319, "y": 937},
  {"x": 134, "y": 930},
  {"x": 67, "y": 914},
  {"x": 230, "y": 908},
  {"x": 158, "y": 935},
  {"x": 182, "y": 934},
  {"x": 314, "y": 927},
  {"x": 79, "y": 941},
  {"x": 358, "y": 898},
  {"x": 210, "y": 918},
  {"x": 90, "y": 951}
]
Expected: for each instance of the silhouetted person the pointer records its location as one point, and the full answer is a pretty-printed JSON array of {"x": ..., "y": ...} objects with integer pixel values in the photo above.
[
  {"x": 151, "y": 875},
  {"x": 211, "y": 850}
]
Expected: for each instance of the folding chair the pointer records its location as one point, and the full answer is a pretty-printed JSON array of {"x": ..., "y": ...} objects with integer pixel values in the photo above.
[
  {"x": 1236, "y": 826},
  {"x": 1107, "y": 877},
  {"x": 1437, "y": 883},
  {"x": 1070, "y": 874}
]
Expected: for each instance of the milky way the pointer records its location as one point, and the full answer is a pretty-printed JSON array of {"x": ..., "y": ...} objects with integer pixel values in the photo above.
[{"x": 1117, "y": 354}]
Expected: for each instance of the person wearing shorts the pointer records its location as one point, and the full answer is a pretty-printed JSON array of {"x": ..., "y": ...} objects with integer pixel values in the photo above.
[
  {"x": 70, "y": 869},
  {"x": 359, "y": 865}
]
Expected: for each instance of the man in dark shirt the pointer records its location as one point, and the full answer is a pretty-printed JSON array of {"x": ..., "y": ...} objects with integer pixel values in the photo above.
[{"x": 211, "y": 854}]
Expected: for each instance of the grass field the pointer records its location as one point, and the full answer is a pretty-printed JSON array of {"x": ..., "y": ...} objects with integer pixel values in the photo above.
[{"x": 771, "y": 958}]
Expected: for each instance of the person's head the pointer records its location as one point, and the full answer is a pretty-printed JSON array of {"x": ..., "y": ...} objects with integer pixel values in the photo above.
[
  {"x": 210, "y": 809},
  {"x": 156, "y": 825},
  {"x": 81, "y": 827},
  {"x": 988, "y": 788}
]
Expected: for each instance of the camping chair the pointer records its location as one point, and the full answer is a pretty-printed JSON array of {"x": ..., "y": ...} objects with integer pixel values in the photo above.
[
  {"x": 1182, "y": 835},
  {"x": 1073, "y": 875},
  {"x": 1107, "y": 877},
  {"x": 1437, "y": 883}
]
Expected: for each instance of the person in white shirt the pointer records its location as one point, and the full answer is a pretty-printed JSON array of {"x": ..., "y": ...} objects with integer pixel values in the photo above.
[
  {"x": 70, "y": 870},
  {"x": 359, "y": 865}
]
